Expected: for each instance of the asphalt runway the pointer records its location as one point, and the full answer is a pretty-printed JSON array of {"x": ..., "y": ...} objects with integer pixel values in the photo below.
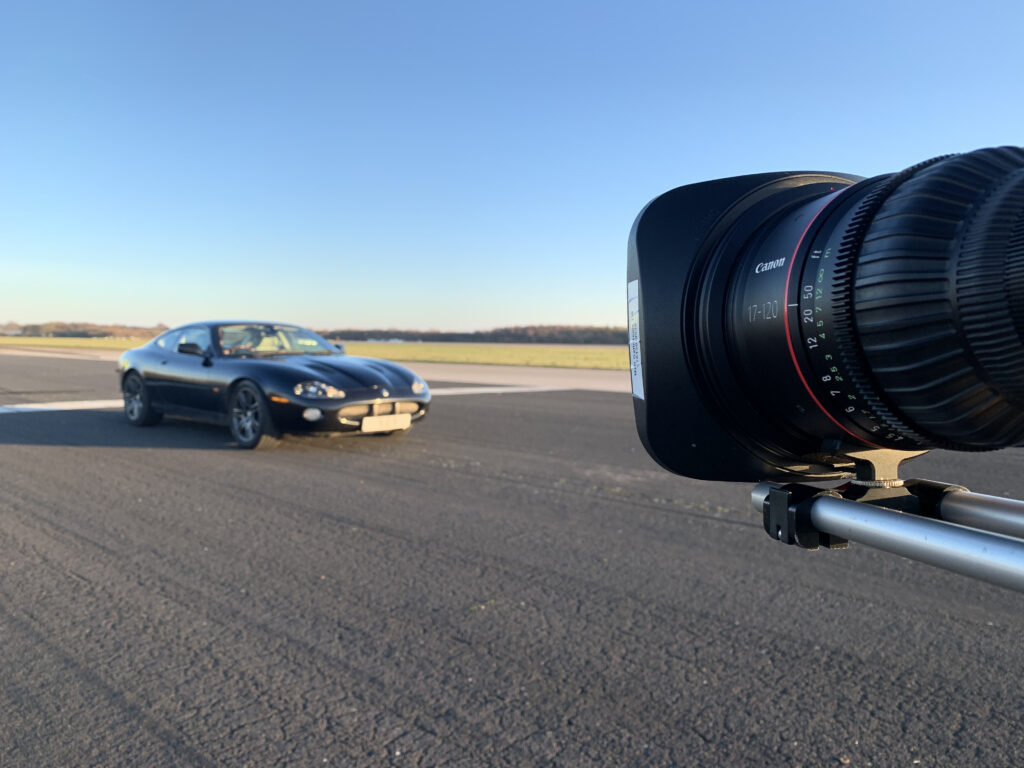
[{"x": 514, "y": 583}]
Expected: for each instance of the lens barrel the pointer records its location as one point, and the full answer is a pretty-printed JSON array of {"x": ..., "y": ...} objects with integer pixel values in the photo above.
[
  {"x": 822, "y": 315},
  {"x": 936, "y": 297}
]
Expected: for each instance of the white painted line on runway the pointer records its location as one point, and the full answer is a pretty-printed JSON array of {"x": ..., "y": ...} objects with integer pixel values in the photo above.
[
  {"x": 69, "y": 405},
  {"x": 493, "y": 390},
  {"x": 100, "y": 405}
]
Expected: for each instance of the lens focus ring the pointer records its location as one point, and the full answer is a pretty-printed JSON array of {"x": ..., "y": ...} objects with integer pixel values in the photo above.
[{"x": 938, "y": 294}]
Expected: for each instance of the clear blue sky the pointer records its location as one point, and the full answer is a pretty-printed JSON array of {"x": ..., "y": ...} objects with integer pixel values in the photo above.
[{"x": 449, "y": 165}]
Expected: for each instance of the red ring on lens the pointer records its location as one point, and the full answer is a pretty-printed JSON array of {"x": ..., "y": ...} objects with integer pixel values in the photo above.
[{"x": 789, "y": 334}]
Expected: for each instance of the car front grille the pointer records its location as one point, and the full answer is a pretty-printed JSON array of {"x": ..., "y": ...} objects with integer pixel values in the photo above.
[{"x": 377, "y": 409}]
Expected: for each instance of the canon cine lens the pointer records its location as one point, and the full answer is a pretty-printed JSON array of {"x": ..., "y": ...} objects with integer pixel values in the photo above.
[{"x": 894, "y": 306}]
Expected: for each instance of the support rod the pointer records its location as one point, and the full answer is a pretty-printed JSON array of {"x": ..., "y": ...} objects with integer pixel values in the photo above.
[
  {"x": 989, "y": 513},
  {"x": 990, "y": 557}
]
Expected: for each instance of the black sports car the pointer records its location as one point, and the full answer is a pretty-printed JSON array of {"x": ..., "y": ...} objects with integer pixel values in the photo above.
[{"x": 262, "y": 379}]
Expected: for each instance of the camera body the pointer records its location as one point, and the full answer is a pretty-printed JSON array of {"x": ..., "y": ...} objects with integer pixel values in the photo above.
[{"x": 819, "y": 329}]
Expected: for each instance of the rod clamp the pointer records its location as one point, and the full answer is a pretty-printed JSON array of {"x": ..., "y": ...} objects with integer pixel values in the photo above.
[{"x": 786, "y": 510}]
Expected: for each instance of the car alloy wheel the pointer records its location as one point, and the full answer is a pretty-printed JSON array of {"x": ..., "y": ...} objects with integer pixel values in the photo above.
[
  {"x": 250, "y": 417},
  {"x": 133, "y": 405},
  {"x": 137, "y": 406}
]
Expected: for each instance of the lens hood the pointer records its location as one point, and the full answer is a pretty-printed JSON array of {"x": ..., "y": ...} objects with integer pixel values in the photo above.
[{"x": 682, "y": 423}]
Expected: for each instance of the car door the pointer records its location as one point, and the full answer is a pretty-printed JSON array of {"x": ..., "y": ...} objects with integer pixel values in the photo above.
[
  {"x": 154, "y": 367},
  {"x": 190, "y": 383}
]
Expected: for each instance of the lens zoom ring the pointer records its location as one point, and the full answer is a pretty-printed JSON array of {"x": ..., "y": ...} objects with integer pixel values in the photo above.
[
  {"x": 1015, "y": 274},
  {"x": 908, "y": 306},
  {"x": 989, "y": 274}
]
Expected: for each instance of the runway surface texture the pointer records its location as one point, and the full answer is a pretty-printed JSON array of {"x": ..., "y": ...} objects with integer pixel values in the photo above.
[{"x": 514, "y": 583}]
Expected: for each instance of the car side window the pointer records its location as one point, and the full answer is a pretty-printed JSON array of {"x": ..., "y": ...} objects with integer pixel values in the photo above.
[
  {"x": 196, "y": 334},
  {"x": 168, "y": 341}
]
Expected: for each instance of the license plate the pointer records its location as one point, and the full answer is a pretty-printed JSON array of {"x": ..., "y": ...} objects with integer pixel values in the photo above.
[{"x": 387, "y": 422}]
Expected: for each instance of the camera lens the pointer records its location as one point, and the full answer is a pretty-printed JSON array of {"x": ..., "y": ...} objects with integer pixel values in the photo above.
[{"x": 826, "y": 315}]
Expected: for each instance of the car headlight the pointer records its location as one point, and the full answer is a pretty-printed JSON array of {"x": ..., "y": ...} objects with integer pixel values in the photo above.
[
  {"x": 419, "y": 385},
  {"x": 317, "y": 389}
]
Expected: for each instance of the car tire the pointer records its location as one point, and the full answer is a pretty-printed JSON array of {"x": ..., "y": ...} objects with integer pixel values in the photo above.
[
  {"x": 138, "y": 407},
  {"x": 249, "y": 417}
]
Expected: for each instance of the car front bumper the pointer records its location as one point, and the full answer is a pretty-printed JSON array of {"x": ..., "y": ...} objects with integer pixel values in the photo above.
[{"x": 377, "y": 415}]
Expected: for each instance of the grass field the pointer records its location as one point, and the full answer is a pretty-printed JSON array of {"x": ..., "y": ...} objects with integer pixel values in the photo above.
[
  {"x": 49, "y": 342},
  {"x": 555, "y": 355}
]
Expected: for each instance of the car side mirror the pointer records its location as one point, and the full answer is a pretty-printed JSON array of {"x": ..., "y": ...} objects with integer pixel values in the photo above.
[
  {"x": 191, "y": 348},
  {"x": 340, "y": 347}
]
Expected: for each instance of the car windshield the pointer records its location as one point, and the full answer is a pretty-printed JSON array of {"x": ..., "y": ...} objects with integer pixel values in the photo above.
[{"x": 259, "y": 339}]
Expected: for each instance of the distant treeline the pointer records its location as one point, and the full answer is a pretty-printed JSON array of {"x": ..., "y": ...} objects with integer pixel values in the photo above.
[
  {"x": 525, "y": 334},
  {"x": 79, "y": 330}
]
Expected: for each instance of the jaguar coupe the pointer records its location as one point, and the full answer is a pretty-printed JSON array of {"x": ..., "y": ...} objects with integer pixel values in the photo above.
[{"x": 264, "y": 379}]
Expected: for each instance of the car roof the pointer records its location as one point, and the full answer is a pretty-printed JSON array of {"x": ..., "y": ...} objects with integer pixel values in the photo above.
[{"x": 215, "y": 323}]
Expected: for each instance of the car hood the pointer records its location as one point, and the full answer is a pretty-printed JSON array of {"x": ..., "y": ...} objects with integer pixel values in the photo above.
[{"x": 348, "y": 372}]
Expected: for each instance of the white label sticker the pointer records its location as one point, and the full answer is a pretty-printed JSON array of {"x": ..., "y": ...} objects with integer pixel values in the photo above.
[{"x": 635, "y": 365}]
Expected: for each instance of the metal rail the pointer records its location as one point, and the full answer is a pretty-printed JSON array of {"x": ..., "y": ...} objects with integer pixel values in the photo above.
[
  {"x": 991, "y": 557},
  {"x": 946, "y": 526},
  {"x": 988, "y": 513}
]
